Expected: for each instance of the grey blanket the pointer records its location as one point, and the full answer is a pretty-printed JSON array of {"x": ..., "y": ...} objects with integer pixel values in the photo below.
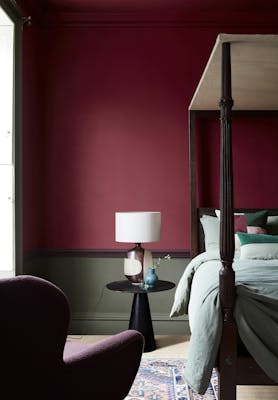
[{"x": 256, "y": 314}]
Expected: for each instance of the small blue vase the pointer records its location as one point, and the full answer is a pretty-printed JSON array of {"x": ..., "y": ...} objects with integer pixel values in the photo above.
[{"x": 150, "y": 278}]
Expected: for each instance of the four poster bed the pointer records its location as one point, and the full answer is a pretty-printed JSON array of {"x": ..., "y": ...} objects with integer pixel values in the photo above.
[{"x": 231, "y": 296}]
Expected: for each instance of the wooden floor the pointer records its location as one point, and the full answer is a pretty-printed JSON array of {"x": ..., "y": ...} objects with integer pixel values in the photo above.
[{"x": 177, "y": 347}]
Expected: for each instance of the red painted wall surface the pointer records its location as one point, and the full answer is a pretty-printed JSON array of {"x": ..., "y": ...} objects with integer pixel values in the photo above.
[
  {"x": 255, "y": 162},
  {"x": 113, "y": 129},
  {"x": 115, "y": 123}
]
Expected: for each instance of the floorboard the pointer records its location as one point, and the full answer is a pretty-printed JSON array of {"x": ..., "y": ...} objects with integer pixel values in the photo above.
[{"x": 177, "y": 347}]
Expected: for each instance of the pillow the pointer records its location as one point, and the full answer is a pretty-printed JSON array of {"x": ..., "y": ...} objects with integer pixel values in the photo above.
[
  {"x": 211, "y": 228},
  {"x": 211, "y": 232},
  {"x": 256, "y": 229},
  {"x": 239, "y": 221},
  {"x": 256, "y": 222},
  {"x": 253, "y": 246},
  {"x": 272, "y": 225},
  {"x": 239, "y": 224},
  {"x": 217, "y": 213}
]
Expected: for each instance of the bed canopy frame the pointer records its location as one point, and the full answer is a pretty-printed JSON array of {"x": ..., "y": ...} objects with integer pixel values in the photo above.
[{"x": 248, "y": 66}]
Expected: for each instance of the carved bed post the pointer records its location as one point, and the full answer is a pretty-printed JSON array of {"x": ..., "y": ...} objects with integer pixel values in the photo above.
[
  {"x": 192, "y": 184},
  {"x": 228, "y": 347}
]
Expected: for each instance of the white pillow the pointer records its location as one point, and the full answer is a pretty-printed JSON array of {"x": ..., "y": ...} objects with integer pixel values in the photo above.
[
  {"x": 263, "y": 247},
  {"x": 211, "y": 230},
  {"x": 253, "y": 251}
]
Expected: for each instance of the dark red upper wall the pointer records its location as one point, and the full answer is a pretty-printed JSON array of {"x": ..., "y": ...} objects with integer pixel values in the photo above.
[
  {"x": 255, "y": 143},
  {"x": 114, "y": 130},
  {"x": 115, "y": 119}
]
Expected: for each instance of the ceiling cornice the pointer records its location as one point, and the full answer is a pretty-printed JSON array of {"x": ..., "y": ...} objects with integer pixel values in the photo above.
[
  {"x": 160, "y": 19},
  {"x": 33, "y": 8}
]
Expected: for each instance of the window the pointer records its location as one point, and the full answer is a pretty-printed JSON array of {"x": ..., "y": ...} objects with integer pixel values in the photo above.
[{"x": 8, "y": 157}]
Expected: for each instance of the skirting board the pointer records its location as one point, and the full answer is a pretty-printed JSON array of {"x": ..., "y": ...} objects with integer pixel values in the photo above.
[{"x": 108, "y": 324}]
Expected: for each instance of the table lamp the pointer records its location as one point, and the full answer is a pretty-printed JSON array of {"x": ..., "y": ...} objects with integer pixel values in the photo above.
[{"x": 137, "y": 227}]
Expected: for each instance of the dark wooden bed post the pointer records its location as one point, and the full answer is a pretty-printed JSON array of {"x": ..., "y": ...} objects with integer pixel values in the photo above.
[
  {"x": 193, "y": 184},
  {"x": 228, "y": 346}
]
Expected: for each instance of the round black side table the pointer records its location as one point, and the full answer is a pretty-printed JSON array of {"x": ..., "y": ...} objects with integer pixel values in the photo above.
[{"x": 140, "y": 317}]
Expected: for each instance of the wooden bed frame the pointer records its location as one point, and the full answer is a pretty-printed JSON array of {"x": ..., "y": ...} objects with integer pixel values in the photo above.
[{"x": 235, "y": 365}]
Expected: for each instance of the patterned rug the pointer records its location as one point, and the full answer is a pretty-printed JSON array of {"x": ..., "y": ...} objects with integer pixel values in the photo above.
[{"x": 161, "y": 379}]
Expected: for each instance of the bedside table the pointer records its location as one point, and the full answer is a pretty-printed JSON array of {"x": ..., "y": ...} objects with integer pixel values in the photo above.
[{"x": 140, "y": 317}]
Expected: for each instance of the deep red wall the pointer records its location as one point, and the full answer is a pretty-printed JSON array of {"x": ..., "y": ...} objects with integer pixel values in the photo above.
[
  {"x": 114, "y": 133},
  {"x": 255, "y": 143}
]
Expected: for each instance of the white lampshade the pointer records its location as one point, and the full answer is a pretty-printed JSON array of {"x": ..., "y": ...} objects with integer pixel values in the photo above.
[{"x": 137, "y": 227}]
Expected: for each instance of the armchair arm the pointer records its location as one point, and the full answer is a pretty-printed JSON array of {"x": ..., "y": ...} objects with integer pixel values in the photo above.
[{"x": 105, "y": 370}]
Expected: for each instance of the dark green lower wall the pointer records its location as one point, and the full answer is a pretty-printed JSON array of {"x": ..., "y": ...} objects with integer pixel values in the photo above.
[{"x": 98, "y": 310}]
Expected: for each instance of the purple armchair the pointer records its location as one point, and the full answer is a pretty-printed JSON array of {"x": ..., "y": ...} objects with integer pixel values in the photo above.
[{"x": 38, "y": 363}]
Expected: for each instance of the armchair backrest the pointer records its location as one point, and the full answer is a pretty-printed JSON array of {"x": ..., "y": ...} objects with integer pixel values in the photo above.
[{"x": 34, "y": 319}]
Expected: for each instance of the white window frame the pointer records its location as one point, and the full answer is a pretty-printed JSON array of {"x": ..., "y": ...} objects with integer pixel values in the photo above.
[{"x": 10, "y": 8}]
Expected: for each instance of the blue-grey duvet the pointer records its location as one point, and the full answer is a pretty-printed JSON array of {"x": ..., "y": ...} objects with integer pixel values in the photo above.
[{"x": 256, "y": 313}]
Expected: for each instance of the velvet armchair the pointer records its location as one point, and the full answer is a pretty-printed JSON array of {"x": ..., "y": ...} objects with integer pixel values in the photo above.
[{"x": 38, "y": 362}]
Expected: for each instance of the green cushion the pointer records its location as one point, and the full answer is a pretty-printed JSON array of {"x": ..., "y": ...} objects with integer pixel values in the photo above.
[
  {"x": 258, "y": 218},
  {"x": 247, "y": 238}
]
